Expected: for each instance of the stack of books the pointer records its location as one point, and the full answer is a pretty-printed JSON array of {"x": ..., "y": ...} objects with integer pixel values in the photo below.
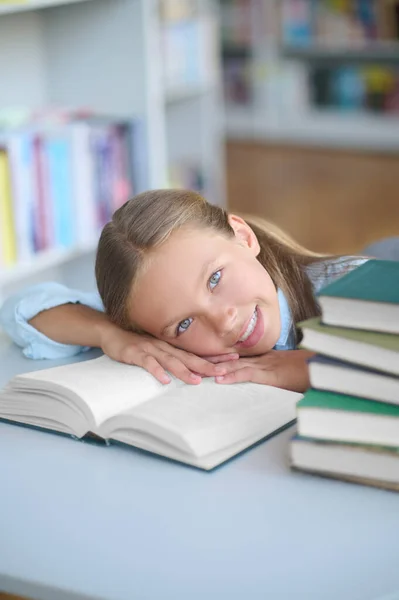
[{"x": 348, "y": 421}]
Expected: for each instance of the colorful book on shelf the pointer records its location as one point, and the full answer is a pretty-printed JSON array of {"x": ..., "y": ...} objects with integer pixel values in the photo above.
[
  {"x": 340, "y": 417},
  {"x": 365, "y": 298},
  {"x": 7, "y": 234},
  {"x": 122, "y": 188},
  {"x": 297, "y": 21},
  {"x": 202, "y": 425},
  {"x": 43, "y": 216},
  {"x": 101, "y": 149},
  {"x": 376, "y": 466},
  {"x": 136, "y": 148},
  {"x": 370, "y": 349},
  {"x": 345, "y": 378},
  {"x": 83, "y": 175},
  {"x": 58, "y": 153},
  {"x": 21, "y": 165}
]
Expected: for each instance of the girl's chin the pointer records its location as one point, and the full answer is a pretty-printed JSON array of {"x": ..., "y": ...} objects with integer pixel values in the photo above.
[{"x": 255, "y": 351}]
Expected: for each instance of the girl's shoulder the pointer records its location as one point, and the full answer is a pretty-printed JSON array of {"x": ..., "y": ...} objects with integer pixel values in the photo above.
[{"x": 321, "y": 273}]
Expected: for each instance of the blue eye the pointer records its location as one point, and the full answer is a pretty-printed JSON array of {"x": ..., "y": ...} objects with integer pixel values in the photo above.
[
  {"x": 214, "y": 280},
  {"x": 183, "y": 326}
]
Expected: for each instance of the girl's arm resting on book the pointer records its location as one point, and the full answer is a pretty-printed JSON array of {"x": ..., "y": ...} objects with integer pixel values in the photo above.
[
  {"x": 77, "y": 324},
  {"x": 286, "y": 369},
  {"x": 20, "y": 309},
  {"x": 51, "y": 321}
]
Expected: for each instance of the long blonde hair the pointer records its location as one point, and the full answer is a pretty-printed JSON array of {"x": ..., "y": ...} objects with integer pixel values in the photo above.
[{"x": 146, "y": 221}]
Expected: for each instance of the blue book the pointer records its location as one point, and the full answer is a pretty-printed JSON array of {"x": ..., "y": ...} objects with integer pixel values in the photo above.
[{"x": 58, "y": 152}]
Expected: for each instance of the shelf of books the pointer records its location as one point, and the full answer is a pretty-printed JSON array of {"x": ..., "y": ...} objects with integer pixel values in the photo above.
[
  {"x": 323, "y": 72},
  {"x": 85, "y": 125},
  {"x": 62, "y": 175}
]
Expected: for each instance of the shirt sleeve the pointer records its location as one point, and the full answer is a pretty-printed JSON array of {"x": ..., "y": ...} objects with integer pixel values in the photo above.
[{"x": 19, "y": 308}]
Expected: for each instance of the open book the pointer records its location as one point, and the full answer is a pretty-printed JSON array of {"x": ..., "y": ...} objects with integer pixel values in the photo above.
[{"x": 202, "y": 425}]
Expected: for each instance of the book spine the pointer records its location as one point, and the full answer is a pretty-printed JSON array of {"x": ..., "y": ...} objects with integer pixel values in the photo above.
[{"x": 8, "y": 239}]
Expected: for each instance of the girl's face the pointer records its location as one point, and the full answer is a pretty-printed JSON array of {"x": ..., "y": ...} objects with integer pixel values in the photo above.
[{"x": 208, "y": 294}]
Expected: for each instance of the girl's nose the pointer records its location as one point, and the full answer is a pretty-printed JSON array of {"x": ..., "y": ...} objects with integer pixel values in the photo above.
[{"x": 224, "y": 320}]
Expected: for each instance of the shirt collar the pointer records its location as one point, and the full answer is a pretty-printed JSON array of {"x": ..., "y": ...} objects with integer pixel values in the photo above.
[{"x": 285, "y": 319}]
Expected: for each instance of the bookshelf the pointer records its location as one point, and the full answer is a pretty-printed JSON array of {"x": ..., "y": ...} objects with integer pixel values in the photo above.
[
  {"x": 154, "y": 61},
  {"x": 307, "y": 72},
  {"x": 28, "y": 5}
]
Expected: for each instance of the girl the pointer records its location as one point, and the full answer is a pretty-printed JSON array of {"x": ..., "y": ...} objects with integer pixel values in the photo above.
[{"x": 187, "y": 289}]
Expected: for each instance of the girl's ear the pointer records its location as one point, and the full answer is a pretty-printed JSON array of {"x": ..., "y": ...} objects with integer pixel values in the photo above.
[{"x": 244, "y": 234}]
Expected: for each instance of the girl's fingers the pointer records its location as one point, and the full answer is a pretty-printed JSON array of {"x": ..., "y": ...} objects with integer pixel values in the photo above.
[
  {"x": 238, "y": 376},
  {"x": 248, "y": 373},
  {"x": 222, "y": 357},
  {"x": 177, "y": 368},
  {"x": 150, "y": 364},
  {"x": 196, "y": 364}
]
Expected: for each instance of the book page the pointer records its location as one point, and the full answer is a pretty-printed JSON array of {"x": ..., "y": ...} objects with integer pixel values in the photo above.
[
  {"x": 107, "y": 387},
  {"x": 208, "y": 417}
]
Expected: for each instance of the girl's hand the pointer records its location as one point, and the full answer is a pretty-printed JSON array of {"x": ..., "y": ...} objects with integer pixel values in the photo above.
[
  {"x": 157, "y": 356},
  {"x": 286, "y": 369}
]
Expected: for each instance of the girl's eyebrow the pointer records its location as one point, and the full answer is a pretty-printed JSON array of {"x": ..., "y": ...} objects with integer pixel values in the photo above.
[{"x": 206, "y": 268}]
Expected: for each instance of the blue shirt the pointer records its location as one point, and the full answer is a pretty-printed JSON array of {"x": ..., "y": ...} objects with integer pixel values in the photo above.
[{"x": 20, "y": 308}]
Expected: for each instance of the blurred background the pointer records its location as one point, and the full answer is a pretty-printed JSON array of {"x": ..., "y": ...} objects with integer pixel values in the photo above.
[{"x": 284, "y": 108}]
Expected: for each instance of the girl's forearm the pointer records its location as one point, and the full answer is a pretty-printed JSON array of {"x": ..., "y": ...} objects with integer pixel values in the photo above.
[{"x": 73, "y": 324}]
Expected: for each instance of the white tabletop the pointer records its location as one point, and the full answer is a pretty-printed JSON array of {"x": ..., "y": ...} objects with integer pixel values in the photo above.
[{"x": 79, "y": 520}]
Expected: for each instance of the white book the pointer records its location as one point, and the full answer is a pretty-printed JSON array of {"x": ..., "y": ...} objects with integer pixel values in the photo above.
[
  {"x": 346, "y": 378},
  {"x": 83, "y": 178},
  {"x": 202, "y": 425},
  {"x": 366, "y": 464}
]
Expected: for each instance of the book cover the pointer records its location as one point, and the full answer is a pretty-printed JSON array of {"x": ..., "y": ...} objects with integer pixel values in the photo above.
[
  {"x": 120, "y": 173},
  {"x": 382, "y": 340},
  {"x": 20, "y": 149},
  {"x": 83, "y": 183},
  {"x": 323, "y": 399},
  {"x": 201, "y": 425},
  {"x": 43, "y": 213},
  {"x": 336, "y": 364},
  {"x": 58, "y": 150},
  {"x": 374, "y": 281},
  {"x": 373, "y": 465},
  {"x": 346, "y": 378},
  {"x": 101, "y": 149},
  {"x": 327, "y": 415},
  {"x": 7, "y": 225}
]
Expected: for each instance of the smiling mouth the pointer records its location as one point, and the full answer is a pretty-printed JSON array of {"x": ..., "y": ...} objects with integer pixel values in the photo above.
[{"x": 250, "y": 327}]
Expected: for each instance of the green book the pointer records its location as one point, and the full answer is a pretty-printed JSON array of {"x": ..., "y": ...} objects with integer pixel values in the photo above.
[
  {"x": 379, "y": 351},
  {"x": 366, "y": 298},
  {"x": 331, "y": 401},
  {"x": 342, "y": 418}
]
